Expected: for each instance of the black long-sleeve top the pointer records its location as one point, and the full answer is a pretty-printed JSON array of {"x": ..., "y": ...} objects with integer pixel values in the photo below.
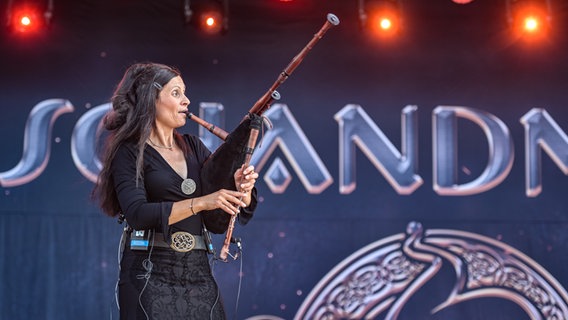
[{"x": 148, "y": 204}]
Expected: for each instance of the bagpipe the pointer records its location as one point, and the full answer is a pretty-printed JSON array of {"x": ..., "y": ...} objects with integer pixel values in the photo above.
[{"x": 238, "y": 146}]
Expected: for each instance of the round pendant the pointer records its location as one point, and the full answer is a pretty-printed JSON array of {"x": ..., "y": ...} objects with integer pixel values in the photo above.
[{"x": 188, "y": 186}]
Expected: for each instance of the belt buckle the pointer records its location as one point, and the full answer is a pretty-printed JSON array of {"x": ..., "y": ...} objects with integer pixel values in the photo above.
[{"x": 182, "y": 241}]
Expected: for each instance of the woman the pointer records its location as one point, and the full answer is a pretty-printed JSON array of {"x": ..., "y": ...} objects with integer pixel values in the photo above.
[{"x": 151, "y": 178}]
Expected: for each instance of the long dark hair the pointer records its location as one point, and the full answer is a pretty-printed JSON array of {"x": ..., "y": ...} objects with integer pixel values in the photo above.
[{"x": 131, "y": 120}]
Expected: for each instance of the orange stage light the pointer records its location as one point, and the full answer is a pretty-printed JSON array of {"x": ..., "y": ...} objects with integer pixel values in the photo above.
[
  {"x": 529, "y": 18},
  {"x": 211, "y": 22},
  {"x": 208, "y": 16},
  {"x": 531, "y": 24},
  {"x": 381, "y": 17},
  {"x": 385, "y": 23}
]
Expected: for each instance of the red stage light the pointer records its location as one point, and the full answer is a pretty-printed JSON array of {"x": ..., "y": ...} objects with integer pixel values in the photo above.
[{"x": 26, "y": 19}]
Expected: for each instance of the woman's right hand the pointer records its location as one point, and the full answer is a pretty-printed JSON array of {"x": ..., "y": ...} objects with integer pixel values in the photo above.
[{"x": 226, "y": 200}]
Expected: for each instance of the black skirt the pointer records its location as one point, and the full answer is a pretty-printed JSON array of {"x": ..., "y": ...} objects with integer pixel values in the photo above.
[{"x": 163, "y": 284}]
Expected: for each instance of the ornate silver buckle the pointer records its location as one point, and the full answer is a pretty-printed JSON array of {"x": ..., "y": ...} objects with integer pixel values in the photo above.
[{"x": 182, "y": 241}]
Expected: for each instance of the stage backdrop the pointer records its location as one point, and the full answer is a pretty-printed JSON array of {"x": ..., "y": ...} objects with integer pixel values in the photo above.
[{"x": 422, "y": 177}]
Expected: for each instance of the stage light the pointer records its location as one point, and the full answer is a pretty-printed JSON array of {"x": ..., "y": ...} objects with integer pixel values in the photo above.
[
  {"x": 380, "y": 17},
  {"x": 28, "y": 17},
  {"x": 209, "y": 16},
  {"x": 529, "y": 18},
  {"x": 531, "y": 24},
  {"x": 211, "y": 21},
  {"x": 385, "y": 23}
]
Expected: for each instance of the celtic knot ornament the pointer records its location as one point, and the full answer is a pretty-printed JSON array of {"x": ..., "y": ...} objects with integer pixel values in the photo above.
[
  {"x": 182, "y": 241},
  {"x": 379, "y": 280}
]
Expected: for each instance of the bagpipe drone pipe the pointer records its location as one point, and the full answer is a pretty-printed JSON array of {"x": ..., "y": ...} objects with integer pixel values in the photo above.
[{"x": 238, "y": 146}]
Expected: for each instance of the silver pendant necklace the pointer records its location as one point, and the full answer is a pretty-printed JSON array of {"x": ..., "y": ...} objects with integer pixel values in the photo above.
[{"x": 188, "y": 186}]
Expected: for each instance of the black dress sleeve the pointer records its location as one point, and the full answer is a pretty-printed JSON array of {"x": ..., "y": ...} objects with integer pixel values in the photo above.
[{"x": 132, "y": 196}]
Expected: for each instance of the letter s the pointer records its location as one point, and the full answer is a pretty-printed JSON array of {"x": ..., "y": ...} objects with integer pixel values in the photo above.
[
  {"x": 84, "y": 142},
  {"x": 37, "y": 142}
]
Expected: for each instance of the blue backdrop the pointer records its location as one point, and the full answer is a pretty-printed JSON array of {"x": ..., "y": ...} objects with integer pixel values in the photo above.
[{"x": 400, "y": 176}]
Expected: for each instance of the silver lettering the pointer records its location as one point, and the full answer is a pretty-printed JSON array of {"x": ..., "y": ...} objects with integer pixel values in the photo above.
[
  {"x": 37, "y": 142},
  {"x": 355, "y": 129},
  {"x": 287, "y": 134},
  {"x": 399, "y": 168},
  {"x": 84, "y": 141},
  {"x": 541, "y": 131},
  {"x": 501, "y": 151},
  {"x": 211, "y": 112}
]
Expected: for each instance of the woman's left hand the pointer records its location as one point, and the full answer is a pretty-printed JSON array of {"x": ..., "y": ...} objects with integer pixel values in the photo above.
[{"x": 245, "y": 178}]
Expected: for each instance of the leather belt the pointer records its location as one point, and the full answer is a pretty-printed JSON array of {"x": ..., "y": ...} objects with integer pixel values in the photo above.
[{"x": 181, "y": 241}]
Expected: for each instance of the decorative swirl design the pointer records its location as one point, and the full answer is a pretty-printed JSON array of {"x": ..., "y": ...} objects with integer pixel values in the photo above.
[
  {"x": 497, "y": 270},
  {"x": 378, "y": 280}
]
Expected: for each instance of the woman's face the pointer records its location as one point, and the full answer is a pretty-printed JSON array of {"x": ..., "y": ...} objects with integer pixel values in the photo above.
[{"x": 171, "y": 106}]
